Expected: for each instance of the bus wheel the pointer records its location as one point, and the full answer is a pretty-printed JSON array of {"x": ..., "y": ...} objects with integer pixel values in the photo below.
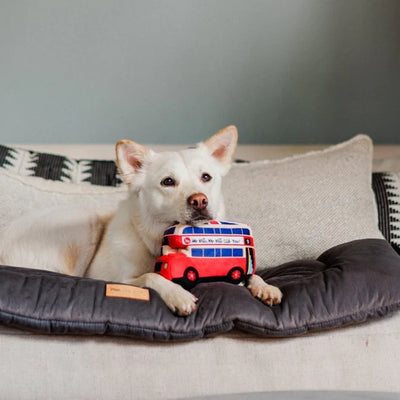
[
  {"x": 236, "y": 275},
  {"x": 191, "y": 275}
]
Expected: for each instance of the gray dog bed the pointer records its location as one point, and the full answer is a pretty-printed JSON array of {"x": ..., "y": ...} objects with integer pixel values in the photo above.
[{"x": 347, "y": 284}]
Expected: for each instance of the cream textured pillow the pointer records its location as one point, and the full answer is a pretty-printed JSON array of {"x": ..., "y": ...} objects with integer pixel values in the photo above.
[
  {"x": 301, "y": 206},
  {"x": 21, "y": 194}
]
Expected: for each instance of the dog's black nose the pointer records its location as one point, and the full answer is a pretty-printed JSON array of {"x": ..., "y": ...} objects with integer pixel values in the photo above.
[{"x": 198, "y": 201}]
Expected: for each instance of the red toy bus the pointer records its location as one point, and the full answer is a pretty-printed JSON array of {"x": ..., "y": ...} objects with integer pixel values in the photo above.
[{"x": 215, "y": 250}]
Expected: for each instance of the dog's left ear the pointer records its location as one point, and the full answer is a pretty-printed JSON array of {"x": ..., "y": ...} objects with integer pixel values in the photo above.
[
  {"x": 130, "y": 159},
  {"x": 223, "y": 144}
]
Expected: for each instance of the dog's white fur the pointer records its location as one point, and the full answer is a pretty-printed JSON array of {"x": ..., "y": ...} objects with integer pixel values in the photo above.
[{"x": 122, "y": 247}]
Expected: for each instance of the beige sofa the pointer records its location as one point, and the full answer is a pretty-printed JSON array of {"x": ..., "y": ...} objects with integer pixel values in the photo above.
[{"x": 364, "y": 357}]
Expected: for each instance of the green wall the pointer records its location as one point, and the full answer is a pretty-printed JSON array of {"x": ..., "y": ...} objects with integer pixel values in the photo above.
[{"x": 175, "y": 71}]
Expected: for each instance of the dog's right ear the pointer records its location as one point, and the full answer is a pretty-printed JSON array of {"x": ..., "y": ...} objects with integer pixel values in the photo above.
[
  {"x": 130, "y": 159},
  {"x": 222, "y": 145}
]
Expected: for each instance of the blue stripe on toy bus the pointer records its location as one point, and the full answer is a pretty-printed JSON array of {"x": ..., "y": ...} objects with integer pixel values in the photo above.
[
  {"x": 212, "y": 253},
  {"x": 209, "y": 253},
  {"x": 237, "y": 253},
  {"x": 226, "y": 252},
  {"x": 197, "y": 253}
]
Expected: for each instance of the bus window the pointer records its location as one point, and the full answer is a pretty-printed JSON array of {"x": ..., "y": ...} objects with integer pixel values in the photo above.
[
  {"x": 237, "y": 252},
  {"x": 209, "y": 230},
  {"x": 197, "y": 253},
  {"x": 198, "y": 230},
  {"x": 208, "y": 252},
  {"x": 226, "y": 252},
  {"x": 226, "y": 231},
  {"x": 217, "y": 252},
  {"x": 236, "y": 231},
  {"x": 246, "y": 231},
  {"x": 187, "y": 230},
  {"x": 217, "y": 230}
]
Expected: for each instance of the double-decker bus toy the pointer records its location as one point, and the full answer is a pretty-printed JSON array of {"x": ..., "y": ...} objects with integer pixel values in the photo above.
[{"x": 212, "y": 251}]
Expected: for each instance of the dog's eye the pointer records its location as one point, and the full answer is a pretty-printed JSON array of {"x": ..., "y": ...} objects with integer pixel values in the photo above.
[
  {"x": 206, "y": 177},
  {"x": 168, "y": 181}
]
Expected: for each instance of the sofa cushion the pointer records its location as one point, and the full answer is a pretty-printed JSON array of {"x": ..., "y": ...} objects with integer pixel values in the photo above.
[
  {"x": 22, "y": 194},
  {"x": 300, "y": 206},
  {"x": 347, "y": 284},
  {"x": 58, "y": 168}
]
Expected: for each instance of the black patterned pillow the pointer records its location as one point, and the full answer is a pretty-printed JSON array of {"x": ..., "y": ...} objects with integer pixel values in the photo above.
[
  {"x": 59, "y": 168},
  {"x": 386, "y": 186}
]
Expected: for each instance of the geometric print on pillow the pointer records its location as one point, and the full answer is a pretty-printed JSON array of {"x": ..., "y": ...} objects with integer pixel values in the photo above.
[
  {"x": 59, "y": 168},
  {"x": 386, "y": 187}
]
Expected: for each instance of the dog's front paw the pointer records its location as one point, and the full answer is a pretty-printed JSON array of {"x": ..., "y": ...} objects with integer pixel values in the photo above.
[
  {"x": 179, "y": 300},
  {"x": 268, "y": 294}
]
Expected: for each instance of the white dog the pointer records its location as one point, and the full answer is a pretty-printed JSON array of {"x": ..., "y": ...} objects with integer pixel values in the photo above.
[{"x": 164, "y": 188}]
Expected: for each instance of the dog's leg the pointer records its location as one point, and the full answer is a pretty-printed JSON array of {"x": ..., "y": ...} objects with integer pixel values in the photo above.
[
  {"x": 268, "y": 294},
  {"x": 178, "y": 300}
]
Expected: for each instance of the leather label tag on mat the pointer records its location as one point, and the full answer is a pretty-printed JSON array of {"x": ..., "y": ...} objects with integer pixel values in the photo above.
[{"x": 127, "y": 292}]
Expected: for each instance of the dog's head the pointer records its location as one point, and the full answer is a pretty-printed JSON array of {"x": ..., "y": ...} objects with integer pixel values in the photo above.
[{"x": 183, "y": 186}]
